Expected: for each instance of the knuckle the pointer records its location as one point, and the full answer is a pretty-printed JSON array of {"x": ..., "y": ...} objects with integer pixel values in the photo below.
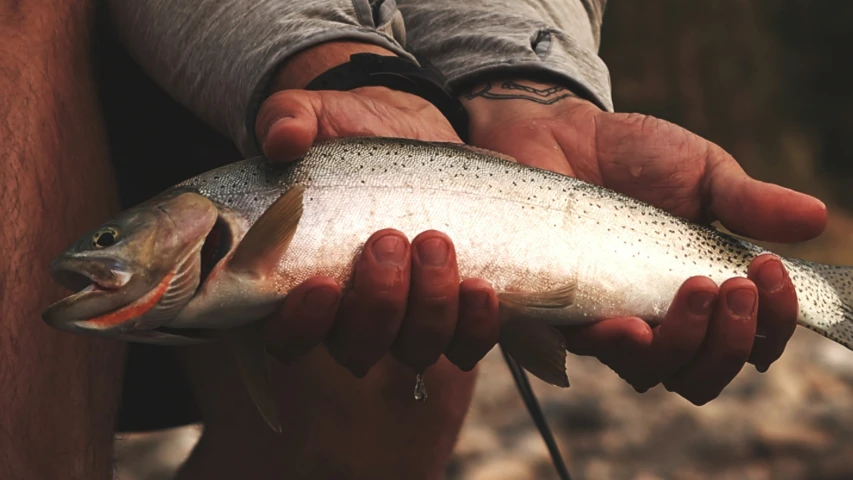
[
  {"x": 435, "y": 287},
  {"x": 440, "y": 304}
]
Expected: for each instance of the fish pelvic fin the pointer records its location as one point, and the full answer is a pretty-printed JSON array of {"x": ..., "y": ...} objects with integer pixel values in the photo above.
[
  {"x": 536, "y": 346},
  {"x": 268, "y": 239},
  {"x": 527, "y": 336},
  {"x": 249, "y": 353}
]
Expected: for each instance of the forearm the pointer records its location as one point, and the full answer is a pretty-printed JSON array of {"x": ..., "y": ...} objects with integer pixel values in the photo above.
[
  {"x": 58, "y": 392},
  {"x": 475, "y": 40},
  {"x": 218, "y": 57}
]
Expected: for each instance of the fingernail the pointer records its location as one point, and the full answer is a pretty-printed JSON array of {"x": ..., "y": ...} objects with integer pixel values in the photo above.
[
  {"x": 320, "y": 301},
  {"x": 433, "y": 252},
  {"x": 741, "y": 301},
  {"x": 270, "y": 128},
  {"x": 474, "y": 300},
  {"x": 771, "y": 276},
  {"x": 389, "y": 249},
  {"x": 700, "y": 302}
]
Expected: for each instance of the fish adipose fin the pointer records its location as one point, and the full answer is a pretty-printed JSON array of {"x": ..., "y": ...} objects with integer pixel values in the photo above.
[
  {"x": 249, "y": 352},
  {"x": 267, "y": 240}
]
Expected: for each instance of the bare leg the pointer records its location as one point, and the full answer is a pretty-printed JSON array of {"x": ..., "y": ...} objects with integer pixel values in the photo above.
[{"x": 58, "y": 392}]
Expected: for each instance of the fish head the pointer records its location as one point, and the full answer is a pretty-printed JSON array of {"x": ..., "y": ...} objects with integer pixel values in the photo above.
[{"x": 135, "y": 272}]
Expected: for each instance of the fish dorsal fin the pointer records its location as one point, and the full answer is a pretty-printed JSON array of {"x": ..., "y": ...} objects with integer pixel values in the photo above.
[
  {"x": 562, "y": 297},
  {"x": 249, "y": 353},
  {"x": 538, "y": 347},
  {"x": 267, "y": 240}
]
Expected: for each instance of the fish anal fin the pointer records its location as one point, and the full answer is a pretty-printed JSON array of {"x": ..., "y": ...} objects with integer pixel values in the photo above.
[
  {"x": 250, "y": 355},
  {"x": 562, "y": 297},
  {"x": 267, "y": 240},
  {"x": 538, "y": 347}
]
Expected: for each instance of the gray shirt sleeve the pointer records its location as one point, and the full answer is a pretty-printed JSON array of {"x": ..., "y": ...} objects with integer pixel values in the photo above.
[
  {"x": 216, "y": 57},
  {"x": 469, "y": 40}
]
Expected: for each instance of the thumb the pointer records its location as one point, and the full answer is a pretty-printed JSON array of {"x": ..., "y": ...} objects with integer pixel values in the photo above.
[
  {"x": 760, "y": 210},
  {"x": 290, "y": 121},
  {"x": 608, "y": 337},
  {"x": 287, "y": 125}
]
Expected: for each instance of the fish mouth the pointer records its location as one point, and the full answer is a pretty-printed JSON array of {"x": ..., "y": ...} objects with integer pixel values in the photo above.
[
  {"x": 88, "y": 276},
  {"x": 111, "y": 301},
  {"x": 99, "y": 286}
]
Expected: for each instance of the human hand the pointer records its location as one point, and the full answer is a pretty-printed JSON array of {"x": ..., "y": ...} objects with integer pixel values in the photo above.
[
  {"x": 406, "y": 298},
  {"x": 695, "y": 351}
]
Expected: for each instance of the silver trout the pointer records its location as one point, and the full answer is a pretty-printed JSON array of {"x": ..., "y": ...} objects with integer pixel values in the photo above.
[{"x": 221, "y": 250}]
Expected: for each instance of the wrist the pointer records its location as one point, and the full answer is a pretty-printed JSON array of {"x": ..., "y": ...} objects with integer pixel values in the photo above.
[
  {"x": 509, "y": 99},
  {"x": 501, "y": 94},
  {"x": 306, "y": 65}
]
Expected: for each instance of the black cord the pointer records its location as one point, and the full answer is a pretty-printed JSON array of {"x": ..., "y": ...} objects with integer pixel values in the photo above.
[{"x": 529, "y": 397}]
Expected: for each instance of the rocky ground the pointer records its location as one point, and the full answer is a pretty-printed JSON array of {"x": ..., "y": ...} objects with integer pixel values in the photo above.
[{"x": 792, "y": 423}]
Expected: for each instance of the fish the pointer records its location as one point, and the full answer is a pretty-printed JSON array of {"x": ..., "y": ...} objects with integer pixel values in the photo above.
[{"x": 209, "y": 258}]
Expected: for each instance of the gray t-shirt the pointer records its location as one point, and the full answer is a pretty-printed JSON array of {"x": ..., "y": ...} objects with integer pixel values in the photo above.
[{"x": 216, "y": 57}]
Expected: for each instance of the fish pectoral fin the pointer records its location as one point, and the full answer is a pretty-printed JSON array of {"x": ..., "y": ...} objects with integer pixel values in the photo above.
[
  {"x": 538, "y": 347},
  {"x": 562, "y": 297},
  {"x": 249, "y": 353},
  {"x": 267, "y": 240}
]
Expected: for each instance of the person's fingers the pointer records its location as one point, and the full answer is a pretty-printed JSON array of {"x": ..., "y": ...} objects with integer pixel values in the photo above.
[
  {"x": 287, "y": 125},
  {"x": 679, "y": 337},
  {"x": 756, "y": 209},
  {"x": 478, "y": 327},
  {"x": 433, "y": 303},
  {"x": 727, "y": 344},
  {"x": 371, "y": 312},
  {"x": 608, "y": 339},
  {"x": 777, "y": 310},
  {"x": 304, "y": 318}
]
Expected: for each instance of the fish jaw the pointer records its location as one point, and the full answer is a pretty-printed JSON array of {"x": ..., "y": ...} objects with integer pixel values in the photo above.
[{"x": 102, "y": 285}]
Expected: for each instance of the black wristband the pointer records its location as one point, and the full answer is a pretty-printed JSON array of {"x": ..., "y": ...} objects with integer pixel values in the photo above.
[{"x": 371, "y": 70}]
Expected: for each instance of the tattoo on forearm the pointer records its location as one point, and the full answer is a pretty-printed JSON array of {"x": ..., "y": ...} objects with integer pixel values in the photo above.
[{"x": 510, "y": 90}]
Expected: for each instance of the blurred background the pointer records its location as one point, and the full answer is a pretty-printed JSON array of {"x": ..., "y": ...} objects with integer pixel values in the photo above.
[{"x": 768, "y": 81}]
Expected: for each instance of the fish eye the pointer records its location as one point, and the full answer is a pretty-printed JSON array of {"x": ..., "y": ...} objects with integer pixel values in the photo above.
[{"x": 105, "y": 237}]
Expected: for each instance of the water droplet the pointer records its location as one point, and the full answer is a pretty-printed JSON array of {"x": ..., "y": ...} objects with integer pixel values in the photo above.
[
  {"x": 420, "y": 388},
  {"x": 635, "y": 170}
]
